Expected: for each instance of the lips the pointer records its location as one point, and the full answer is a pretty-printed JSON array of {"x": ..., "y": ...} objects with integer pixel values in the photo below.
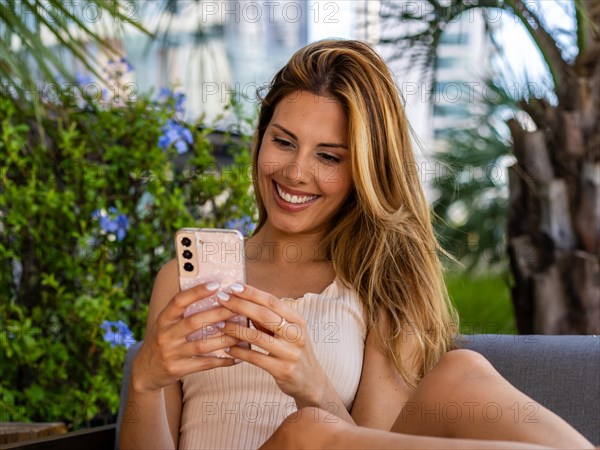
[
  {"x": 295, "y": 197},
  {"x": 291, "y": 199}
]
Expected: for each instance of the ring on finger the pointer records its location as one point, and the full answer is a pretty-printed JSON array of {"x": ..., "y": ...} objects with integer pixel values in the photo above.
[{"x": 281, "y": 325}]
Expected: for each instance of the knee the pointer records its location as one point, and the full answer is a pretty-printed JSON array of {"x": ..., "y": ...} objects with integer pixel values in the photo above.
[
  {"x": 308, "y": 427},
  {"x": 465, "y": 364},
  {"x": 302, "y": 418},
  {"x": 310, "y": 416}
]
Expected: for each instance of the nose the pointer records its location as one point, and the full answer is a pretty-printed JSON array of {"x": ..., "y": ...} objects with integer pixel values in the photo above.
[{"x": 299, "y": 169}]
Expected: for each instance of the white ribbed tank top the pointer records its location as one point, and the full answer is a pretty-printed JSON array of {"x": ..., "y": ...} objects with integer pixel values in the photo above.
[{"x": 241, "y": 406}]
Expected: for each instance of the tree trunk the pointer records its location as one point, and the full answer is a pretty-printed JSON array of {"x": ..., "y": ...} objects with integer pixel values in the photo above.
[{"x": 554, "y": 206}]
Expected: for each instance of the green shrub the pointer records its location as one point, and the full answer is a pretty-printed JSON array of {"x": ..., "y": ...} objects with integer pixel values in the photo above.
[
  {"x": 89, "y": 203},
  {"x": 483, "y": 303}
]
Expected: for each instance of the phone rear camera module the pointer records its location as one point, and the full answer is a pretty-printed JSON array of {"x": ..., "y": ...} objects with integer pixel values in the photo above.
[
  {"x": 187, "y": 254},
  {"x": 186, "y": 242},
  {"x": 188, "y": 267}
]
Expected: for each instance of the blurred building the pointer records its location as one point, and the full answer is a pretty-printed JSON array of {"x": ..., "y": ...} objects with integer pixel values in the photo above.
[
  {"x": 462, "y": 64},
  {"x": 435, "y": 110},
  {"x": 216, "y": 51},
  {"x": 219, "y": 50}
]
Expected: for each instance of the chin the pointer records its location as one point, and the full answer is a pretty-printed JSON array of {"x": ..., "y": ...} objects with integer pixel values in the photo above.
[{"x": 288, "y": 226}]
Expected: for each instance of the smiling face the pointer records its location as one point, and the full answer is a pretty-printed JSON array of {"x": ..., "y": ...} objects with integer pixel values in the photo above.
[{"x": 304, "y": 163}]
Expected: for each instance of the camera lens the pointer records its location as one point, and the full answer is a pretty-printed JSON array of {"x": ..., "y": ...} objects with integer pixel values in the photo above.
[
  {"x": 186, "y": 242},
  {"x": 187, "y": 254},
  {"x": 188, "y": 267}
]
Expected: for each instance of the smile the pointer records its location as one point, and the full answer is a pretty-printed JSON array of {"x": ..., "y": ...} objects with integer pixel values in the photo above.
[{"x": 295, "y": 198}]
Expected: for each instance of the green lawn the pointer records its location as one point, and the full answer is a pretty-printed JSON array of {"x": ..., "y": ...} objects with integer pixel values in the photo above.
[{"x": 483, "y": 303}]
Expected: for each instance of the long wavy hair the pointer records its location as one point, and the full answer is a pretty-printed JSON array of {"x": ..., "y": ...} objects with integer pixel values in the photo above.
[{"x": 381, "y": 241}]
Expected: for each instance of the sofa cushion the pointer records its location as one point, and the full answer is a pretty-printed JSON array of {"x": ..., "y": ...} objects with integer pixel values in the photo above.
[{"x": 560, "y": 372}]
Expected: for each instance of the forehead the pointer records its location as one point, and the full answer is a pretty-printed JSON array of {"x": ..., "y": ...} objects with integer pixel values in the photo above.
[{"x": 303, "y": 111}]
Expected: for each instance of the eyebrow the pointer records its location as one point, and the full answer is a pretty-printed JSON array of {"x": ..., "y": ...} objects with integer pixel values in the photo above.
[{"x": 322, "y": 144}]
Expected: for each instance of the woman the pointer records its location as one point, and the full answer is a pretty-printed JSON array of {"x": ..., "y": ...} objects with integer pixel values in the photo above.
[{"x": 352, "y": 323}]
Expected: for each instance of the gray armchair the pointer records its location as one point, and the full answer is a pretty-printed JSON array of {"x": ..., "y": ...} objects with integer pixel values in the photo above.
[{"x": 560, "y": 372}]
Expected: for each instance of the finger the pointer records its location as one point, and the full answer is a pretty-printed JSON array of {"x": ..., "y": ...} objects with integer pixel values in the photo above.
[
  {"x": 263, "y": 298},
  {"x": 212, "y": 318},
  {"x": 263, "y": 308},
  {"x": 272, "y": 344},
  {"x": 208, "y": 345},
  {"x": 191, "y": 365},
  {"x": 181, "y": 301},
  {"x": 265, "y": 362}
]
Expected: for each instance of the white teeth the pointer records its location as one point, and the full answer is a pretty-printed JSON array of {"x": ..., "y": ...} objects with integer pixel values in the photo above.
[{"x": 293, "y": 198}]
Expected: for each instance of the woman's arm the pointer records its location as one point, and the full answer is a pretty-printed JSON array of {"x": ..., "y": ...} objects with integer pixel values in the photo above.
[
  {"x": 152, "y": 418},
  {"x": 154, "y": 401},
  {"x": 382, "y": 392}
]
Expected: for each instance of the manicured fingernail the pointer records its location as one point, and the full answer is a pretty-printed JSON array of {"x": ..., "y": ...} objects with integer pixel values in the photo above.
[
  {"x": 236, "y": 287},
  {"x": 227, "y": 349},
  {"x": 237, "y": 361},
  {"x": 212, "y": 286},
  {"x": 220, "y": 324},
  {"x": 223, "y": 296}
]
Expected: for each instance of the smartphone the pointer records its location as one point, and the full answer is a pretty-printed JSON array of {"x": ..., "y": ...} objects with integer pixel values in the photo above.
[{"x": 210, "y": 254}]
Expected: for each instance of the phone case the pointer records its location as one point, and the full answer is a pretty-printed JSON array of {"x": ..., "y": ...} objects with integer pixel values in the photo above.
[{"x": 210, "y": 254}]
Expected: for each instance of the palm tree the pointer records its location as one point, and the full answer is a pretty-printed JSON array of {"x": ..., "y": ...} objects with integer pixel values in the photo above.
[
  {"x": 38, "y": 37},
  {"x": 553, "y": 207},
  {"x": 471, "y": 194}
]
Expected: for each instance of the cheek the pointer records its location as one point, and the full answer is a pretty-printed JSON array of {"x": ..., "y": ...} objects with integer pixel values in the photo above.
[
  {"x": 267, "y": 161},
  {"x": 335, "y": 180}
]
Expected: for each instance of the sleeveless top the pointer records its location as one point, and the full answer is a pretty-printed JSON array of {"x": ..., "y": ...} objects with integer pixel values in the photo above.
[{"x": 241, "y": 406}]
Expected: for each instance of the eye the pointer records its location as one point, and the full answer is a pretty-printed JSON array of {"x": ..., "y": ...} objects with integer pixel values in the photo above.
[
  {"x": 282, "y": 143},
  {"x": 329, "y": 158}
]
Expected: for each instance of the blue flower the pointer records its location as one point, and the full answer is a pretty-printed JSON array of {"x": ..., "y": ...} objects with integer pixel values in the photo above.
[
  {"x": 163, "y": 93},
  {"x": 116, "y": 69},
  {"x": 113, "y": 224},
  {"x": 175, "y": 134},
  {"x": 179, "y": 100},
  {"x": 168, "y": 97},
  {"x": 83, "y": 80},
  {"x": 245, "y": 225},
  {"x": 117, "y": 333},
  {"x": 126, "y": 63}
]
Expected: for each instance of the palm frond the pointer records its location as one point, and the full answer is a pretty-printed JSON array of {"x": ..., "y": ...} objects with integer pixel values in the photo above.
[
  {"x": 416, "y": 32},
  {"x": 32, "y": 32}
]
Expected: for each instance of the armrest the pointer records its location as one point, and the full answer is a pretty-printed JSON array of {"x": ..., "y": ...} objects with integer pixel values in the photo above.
[{"x": 559, "y": 372}]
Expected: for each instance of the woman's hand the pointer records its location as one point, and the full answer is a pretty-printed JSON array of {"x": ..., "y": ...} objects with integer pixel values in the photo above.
[
  {"x": 166, "y": 355},
  {"x": 290, "y": 359}
]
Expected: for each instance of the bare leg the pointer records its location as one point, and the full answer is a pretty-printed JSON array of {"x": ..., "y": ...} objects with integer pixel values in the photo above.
[
  {"x": 464, "y": 396},
  {"x": 315, "y": 428}
]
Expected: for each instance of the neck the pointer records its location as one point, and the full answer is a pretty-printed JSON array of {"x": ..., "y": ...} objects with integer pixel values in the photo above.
[{"x": 280, "y": 248}]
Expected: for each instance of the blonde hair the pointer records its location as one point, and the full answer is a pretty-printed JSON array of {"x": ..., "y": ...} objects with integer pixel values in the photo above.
[{"x": 381, "y": 242}]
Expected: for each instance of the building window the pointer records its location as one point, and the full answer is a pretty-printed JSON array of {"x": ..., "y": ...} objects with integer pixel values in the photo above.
[
  {"x": 454, "y": 110},
  {"x": 455, "y": 38},
  {"x": 449, "y": 62},
  {"x": 442, "y": 133},
  {"x": 453, "y": 91}
]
